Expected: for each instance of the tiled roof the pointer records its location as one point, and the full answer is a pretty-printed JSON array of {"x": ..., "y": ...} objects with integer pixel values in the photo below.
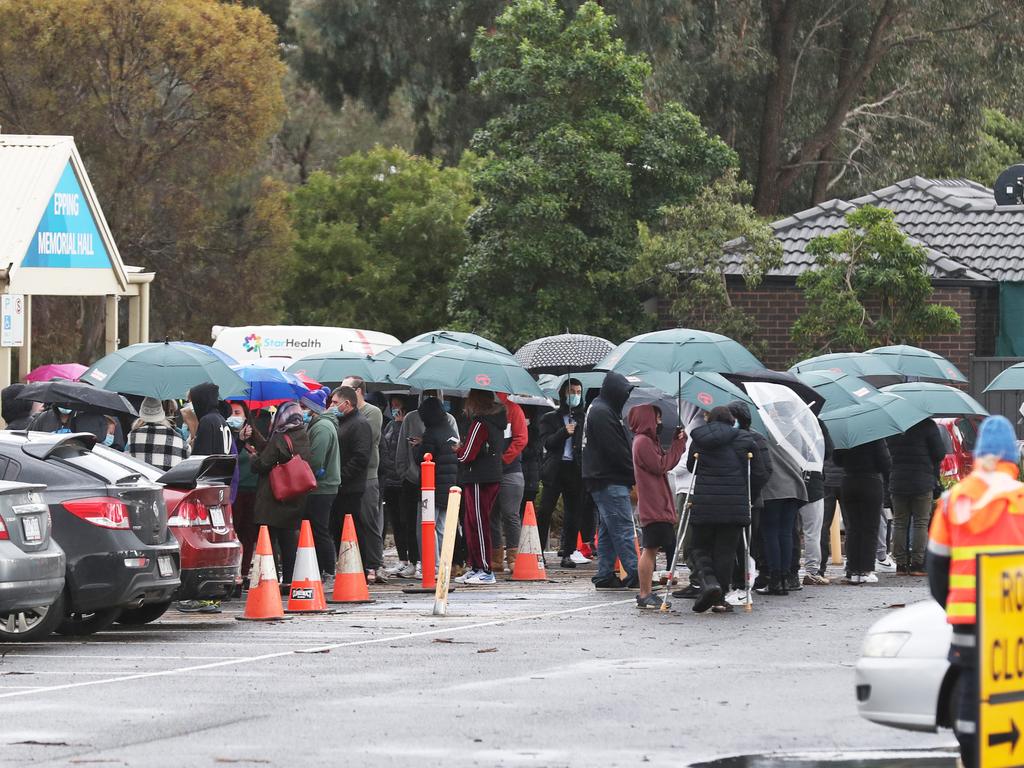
[{"x": 968, "y": 237}]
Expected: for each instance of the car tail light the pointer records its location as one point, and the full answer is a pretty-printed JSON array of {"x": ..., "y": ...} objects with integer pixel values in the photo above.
[
  {"x": 3, "y": 531},
  {"x": 190, "y": 513},
  {"x": 102, "y": 511}
]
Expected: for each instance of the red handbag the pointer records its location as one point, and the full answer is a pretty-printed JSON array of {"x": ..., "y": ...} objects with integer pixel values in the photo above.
[{"x": 292, "y": 478}]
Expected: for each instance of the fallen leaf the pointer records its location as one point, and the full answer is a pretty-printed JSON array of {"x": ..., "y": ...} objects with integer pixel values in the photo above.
[
  {"x": 316, "y": 650},
  {"x": 17, "y": 673},
  {"x": 450, "y": 641},
  {"x": 487, "y": 650},
  {"x": 897, "y": 605}
]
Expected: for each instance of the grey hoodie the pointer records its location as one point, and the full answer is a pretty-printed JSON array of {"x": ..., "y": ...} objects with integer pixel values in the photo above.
[{"x": 405, "y": 459}]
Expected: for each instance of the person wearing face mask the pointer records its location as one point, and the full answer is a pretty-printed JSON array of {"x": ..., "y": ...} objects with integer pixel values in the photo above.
[
  {"x": 250, "y": 441},
  {"x": 561, "y": 434},
  {"x": 153, "y": 439},
  {"x": 355, "y": 439},
  {"x": 401, "y": 518},
  {"x": 326, "y": 464}
]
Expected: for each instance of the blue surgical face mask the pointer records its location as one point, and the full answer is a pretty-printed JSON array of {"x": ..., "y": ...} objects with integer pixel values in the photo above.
[
  {"x": 108, "y": 440},
  {"x": 235, "y": 422},
  {"x": 333, "y": 411},
  {"x": 735, "y": 424},
  {"x": 306, "y": 416},
  {"x": 575, "y": 400},
  {"x": 66, "y": 411},
  {"x": 185, "y": 433}
]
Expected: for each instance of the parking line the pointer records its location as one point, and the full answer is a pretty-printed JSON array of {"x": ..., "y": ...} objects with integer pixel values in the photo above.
[{"x": 314, "y": 649}]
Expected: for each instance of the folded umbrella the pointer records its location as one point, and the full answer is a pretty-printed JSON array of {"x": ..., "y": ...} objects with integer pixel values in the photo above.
[
  {"x": 881, "y": 416},
  {"x": 77, "y": 396},
  {"x": 69, "y": 371},
  {"x": 564, "y": 353},
  {"x": 938, "y": 399},
  {"x": 918, "y": 363},
  {"x": 461, "y": 368}
]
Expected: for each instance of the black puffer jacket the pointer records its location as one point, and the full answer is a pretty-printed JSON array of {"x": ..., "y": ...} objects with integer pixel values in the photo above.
[
  {"x": 553, "y": 435},
  {"x": 485, "y": 467},
  {"x": 720, "y": 491},
  {"x": 436, "y": 442},
  {"x": 867, "y": 460},
  {"x": 531, "y": 455},
  {"x": 213, "y": 436},
  {"x": 355, "y": 440},
  {"x": 916, "y": 455},
  {"x": 607, "y": 455}
]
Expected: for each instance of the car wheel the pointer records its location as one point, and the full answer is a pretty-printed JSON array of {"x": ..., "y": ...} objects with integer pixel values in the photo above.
[
  {"x": 134, "y": 617},
  {"x": 31, "y": 623},
  {"x": 77, "y": 623}
]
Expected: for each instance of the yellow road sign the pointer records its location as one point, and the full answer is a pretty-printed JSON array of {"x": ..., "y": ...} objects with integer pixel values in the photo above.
[{"x": 1000, "y": 601}]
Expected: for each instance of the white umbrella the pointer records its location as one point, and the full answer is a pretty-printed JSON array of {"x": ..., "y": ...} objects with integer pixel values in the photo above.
[{"x": 791, "y": 423}]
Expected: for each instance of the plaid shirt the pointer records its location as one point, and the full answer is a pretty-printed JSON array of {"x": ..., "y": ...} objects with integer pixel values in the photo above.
[{"x": 157, "y": 444}]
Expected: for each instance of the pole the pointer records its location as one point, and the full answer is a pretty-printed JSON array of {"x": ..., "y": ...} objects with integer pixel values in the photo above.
[
  {"x": 444, "y": 573},
  {"x": 684, "y": 520},
  {"x": 837, "y": 539},
  {"x": 428, "y": 533},
  {"x": 749, "y": 605}
]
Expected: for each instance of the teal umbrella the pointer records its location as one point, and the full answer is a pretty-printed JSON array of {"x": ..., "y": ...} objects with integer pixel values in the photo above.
[
  {"x": 704, "y": 390},
  {"x": 680, "y": 349},
  {"x": 164, "y": 370},
  {"x": 872, "y": 368},
  {"x": 1010, "y": 380},
  {"x": 335, "y": 367},
  {"x": 460, "y": 368},
  {"x": 938, "y": 399},
  {"x": 551, "y": 383},
  {"x": 460, "y": 339},
  {"x": 919, "y": 363},
  {"x": 838, "y": 389},
  {"x": 881, "y": 416}
]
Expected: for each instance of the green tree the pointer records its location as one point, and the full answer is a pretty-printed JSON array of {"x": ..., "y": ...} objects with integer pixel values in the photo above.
[
  {"x": 868, "y": 288},
  {"x": 685, "y": 260},
  {"x": 378, "y": 241},
  {"x": 1000, "y": 145},
  {"x": 572, "y": 161}
]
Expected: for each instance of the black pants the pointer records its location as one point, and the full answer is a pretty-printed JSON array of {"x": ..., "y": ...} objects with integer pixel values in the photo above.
[
  {"x": 862, "y": 511},
  {"x": 567, "y": 482},
  {"x": 405, "y": 522},
  {"x": 831, "y": 497},
  {"x": 345, "y": 504},
  {"x": 965, "y": 703},
  {"x": 285, "y": 541},
  {"x": 318, "y": 512},
  {"x": 714, "y": 548},
  {"x": 777, "y": 520}
]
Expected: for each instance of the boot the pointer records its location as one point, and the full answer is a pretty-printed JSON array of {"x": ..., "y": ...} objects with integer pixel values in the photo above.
[
  {"x": 498, "y": 559},
  {"x": 776, "y": 584},
  {"x": 510, "y": 559}
]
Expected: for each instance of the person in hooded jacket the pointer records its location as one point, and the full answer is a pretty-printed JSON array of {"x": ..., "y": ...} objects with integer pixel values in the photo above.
[
  {"x": 655, "y": 501},
  {"x": 741, "y": 412},
  {"x": 401, "y": 517},
  {"x": 479, "y": 456},
  {"x": 325, "y": 461},
  {"x": 916, "y": 457},
  {"x": 561, "y": 434},
  {"x": 288, "y": 438},
  {"x": 608, "y": 475},
  {"x": 439, "y": 440},
  {"x": 531, "y": 458},
  {"x": 722, "y": 457},
  {"x": 505, "y": 522},
  {"x": 355, "y": 439},
  {"x": 865, "y": 468},
  {"x": 213, "y": 436},
  {"x": 16, "y": 413}
]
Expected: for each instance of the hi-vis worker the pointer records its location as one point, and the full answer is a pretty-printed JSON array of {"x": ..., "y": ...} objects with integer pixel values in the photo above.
[{"x": 982, "y": 513}]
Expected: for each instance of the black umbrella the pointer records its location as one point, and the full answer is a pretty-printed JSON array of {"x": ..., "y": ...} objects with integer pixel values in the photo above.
[
  {"x": 814, "y": 399},
  {"x": 565, "y": 353},
  {"x": 77, "y": 396}
]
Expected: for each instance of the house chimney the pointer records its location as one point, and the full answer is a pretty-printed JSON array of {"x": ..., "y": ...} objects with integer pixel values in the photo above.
[{"x": 1009, "y": 189}]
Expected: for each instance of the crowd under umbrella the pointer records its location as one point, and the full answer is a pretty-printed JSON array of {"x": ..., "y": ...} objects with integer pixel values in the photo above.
[
  {"x": 564, "y": 353},
  {"x": 814, "y": 399},
  {"x": 918, "y": 363},
  {"x": 269, "y": 386},
  {"x": 335, "y": 367},
  {"x": 838, "y": 389},
  {"x": 881, "y": 416},
  {"x": 77, "y": 396},
  {"x": 164, "y": 370},
  {"x": 1010, "y": 380},
  {"x": 460, "y": 339},
  {"x": 551, "y": 383},
  {"x": 872, "y": 368},
  {"x": 938, "y": 400},
  {"x": 461, "y": 368},
  {"x": 68, "y": 371}
]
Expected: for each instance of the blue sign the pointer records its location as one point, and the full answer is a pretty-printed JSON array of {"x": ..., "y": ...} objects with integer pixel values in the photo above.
[{"x": 67, "y": 236}]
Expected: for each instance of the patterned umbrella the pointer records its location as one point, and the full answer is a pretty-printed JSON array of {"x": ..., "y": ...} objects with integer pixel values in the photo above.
[
  {"x": 919, "y": 363},
  {"x": 564, "y": 353}
]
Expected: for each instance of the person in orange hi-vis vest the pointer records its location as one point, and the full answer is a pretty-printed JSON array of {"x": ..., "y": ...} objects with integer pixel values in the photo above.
[{"x": 982, "y": 513}]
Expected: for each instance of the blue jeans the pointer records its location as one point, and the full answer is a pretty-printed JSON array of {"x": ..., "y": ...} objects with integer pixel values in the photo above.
[
  {"x": 615, "y": 530},
  {"x": 778, "y": 520}
]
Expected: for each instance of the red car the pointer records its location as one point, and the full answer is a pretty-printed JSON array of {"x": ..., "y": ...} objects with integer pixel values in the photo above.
[
  {"x": 959, "y": 434},
  {"x": 197, "y": 493}
]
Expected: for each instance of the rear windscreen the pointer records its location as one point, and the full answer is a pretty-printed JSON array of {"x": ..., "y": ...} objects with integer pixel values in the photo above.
[
  {"x": 130, "y": 463},
  {"x": 94, "y": 464}
]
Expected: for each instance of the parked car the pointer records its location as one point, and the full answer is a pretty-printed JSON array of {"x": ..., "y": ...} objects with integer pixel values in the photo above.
[
  {"x": 959, "y": 434},
  {"x": 111, "y": 523},
  {"x": 197, "y": 493},
  {"x": 31, "y": 565},
  {"x": 903, "y": 678}
]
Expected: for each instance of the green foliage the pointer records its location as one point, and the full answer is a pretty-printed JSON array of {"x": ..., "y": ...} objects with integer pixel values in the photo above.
[
  {"x": 378, "y": 241},
  {"x": 1000, "y": 145},
  {"x": 685, "y": 260},
  {"x": 574, "y": 158},
  {"x": 869, "y": 288}
]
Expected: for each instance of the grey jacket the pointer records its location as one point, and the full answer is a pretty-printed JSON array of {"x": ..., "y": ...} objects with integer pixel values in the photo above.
[
  {"x": 787, "y": 478},
  {"x": 406, "y": 464}
]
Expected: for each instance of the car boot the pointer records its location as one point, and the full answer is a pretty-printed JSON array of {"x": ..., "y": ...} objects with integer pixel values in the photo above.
[
  {"x": 497, "y": 559},
  {"x": 510, "y": 559}
]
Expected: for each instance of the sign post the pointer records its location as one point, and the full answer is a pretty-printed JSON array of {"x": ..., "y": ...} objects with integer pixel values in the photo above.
[
  {"x": 1000, "y": 602},
  {"x": 12, "y": 320}
]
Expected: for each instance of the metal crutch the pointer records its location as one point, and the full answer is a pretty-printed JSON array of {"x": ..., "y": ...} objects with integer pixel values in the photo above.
[
  {"x": 684, "y": 521},
  {"x": 748, "y": 607}
]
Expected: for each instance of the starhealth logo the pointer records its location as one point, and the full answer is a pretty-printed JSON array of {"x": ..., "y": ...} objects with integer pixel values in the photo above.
[{"x": 252, "y": 343}]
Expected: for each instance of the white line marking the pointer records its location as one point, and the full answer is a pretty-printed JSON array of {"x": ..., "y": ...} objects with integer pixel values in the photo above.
[{"x": 316, "y": 649}]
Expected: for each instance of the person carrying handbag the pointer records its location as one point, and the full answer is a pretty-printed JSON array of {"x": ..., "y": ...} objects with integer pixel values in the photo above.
[{"x": 287, "y": 439}]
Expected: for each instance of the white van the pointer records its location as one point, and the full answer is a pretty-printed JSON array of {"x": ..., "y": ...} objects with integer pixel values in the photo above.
[{"x": 291, "y": 342}]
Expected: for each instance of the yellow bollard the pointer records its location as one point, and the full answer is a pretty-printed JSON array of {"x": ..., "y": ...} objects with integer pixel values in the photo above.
[
  {"x": 444, "y": 572},
  {"x": 837, "y": 541}
]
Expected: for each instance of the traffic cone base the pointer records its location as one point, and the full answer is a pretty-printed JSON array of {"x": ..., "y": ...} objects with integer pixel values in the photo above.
[
  {"x": 306, "y": 593},
  {"x": 529, "y": 565},
  {"x": 263, "y": 602},
  {"x": 349, "y": 578}
]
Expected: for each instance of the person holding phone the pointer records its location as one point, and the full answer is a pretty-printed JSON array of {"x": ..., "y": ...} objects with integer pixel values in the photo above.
[
  {"x": 561, "y": 434},
  {"x": 439, "y": 441}
]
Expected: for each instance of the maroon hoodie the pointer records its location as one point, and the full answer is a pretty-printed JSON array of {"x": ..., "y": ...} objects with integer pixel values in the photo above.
[{"x": 655, "y": 502}]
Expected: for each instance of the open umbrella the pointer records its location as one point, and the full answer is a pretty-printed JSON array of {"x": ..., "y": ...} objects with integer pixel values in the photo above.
[
  {"x": 938, "y": 399},
  {"x": 588, "y": 379},
  {"x": 871, "y": 368},
  {"x": 69, "y": 371},
  {"x": 838, "y": 389},
  {"x": 564, "y": 353},
  {"x": 918, "y": 363},
  {"x": 703, "y": 389},
  {"x": 163, "y": 370},
  {"x": 881, "y": 416},
  {"x": 460, "y": 339},
  {"x": 808, "y": 394},
  {"x": 679, "y": 349},
  {"x": 460, "y": 368},
  {"x": 1010, "y": 380},
  {"x": 224, "y": 357},
  {"x": 790, "y": 422},
  {"x": 77, "y": 396},
  {"x": 269, "y": 386},
  {"x": 335, "y": 367}
]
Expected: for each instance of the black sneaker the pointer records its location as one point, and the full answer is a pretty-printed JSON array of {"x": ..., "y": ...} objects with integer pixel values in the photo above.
[
  {"x": 611, "y": 582},
  {"x": 568, "y": 563},
  {"x": 651, "y": 601},
  {"x": 722, "y": 607},
  {"x": 709, "y": 596},
  {"x": 633, "y": 582},
  {"x": 793, "y": 582},
  {"x": 691, "y": 592}
]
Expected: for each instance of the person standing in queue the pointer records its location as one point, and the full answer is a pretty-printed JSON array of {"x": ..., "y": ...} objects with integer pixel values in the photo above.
[
  {"x": 865, "y": 469},
  {"x": 322, "y": 429},
  {"x": 982, "y": 513},
  {"x": 355, "y": 440},
  {"x": 561, "y": 433},
  {"x": 370, "y": 520}
]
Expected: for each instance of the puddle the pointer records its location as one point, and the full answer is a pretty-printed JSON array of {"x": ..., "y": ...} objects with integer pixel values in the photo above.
[{"x": 932, "y": 758}]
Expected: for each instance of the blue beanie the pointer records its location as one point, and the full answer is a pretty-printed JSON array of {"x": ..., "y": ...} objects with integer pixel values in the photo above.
[
  {"x": 996, "y": 438},
  {"x": 316, "y": 400}
]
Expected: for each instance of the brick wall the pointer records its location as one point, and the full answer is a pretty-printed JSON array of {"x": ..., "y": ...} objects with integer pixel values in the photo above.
[{"x": 777, "y": 304}]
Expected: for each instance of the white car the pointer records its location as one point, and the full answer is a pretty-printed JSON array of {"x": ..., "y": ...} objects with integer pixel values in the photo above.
[{"x": 903, "y": 678}]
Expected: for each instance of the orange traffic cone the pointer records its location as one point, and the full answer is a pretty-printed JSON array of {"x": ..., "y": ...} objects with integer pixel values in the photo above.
[
  {"x": 307, "y": 591},
  {"x": 264, "y": 600},
  {"x": 349, "y": 579},
  {"x": 529, "y": 565}
]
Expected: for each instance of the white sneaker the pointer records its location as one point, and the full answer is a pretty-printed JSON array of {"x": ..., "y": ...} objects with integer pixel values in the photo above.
[
  {"x": 465, "y": 577},
  {"x": 481, "y": 578},
  {"x": 395, "y": 569},
  {"x": 736, "y": 597},
  {"x": 888, "y": 565},
  {"x": 408, "y": 572},
  {"x": 578, "y": 558},
  {"x": 868, "y": 578},
  {"x": 419, "y": 571}
]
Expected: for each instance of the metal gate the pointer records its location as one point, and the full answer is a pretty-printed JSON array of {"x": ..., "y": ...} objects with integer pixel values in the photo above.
[{"x": 983, "y": 370}]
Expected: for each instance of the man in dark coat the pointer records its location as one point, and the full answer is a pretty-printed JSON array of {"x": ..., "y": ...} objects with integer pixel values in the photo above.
[
  {"x": 608, "y": 475},
  {"x": 355, "y": 439},
  {"x": 916, "y": 457},
  {"x": 562, "y": 468},
  {"x": 16, "y": 413},
  {"x": 213, "y": 435}
]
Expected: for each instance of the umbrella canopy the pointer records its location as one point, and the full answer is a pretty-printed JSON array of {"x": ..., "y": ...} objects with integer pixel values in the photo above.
[
  {"x": 309, "y": 383},
  {"x": 77, "y": 396},
  {"x": 808, "y": 394},
  {"x": 704, "y": 389},
  {"x": 1010, "y": 380},
  {"x": 69, "y": 371},
  {"x": 872, "y": 368},
  {"x": 680, "y": 349},
  {"x": 838, "y": 389},
  {"x": 335, "y": 367},
  {"x": 881, "y": 416},
  {"x": 269, "y": 386},
  {"x": 460, "y": 339},
  {"x": 938, "y": 399},
  {"x": 919, "y": 363},
  {"x": 564, "y": 353},
  {"x": 790, "y": 421},
  {"x": 224, "y": 357},
  {"x": 670, "y": 420},
  {"x": 164, "y": 370},
  {"x": 460, "y": 368},
  {"x": 551, "y": 383}
]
